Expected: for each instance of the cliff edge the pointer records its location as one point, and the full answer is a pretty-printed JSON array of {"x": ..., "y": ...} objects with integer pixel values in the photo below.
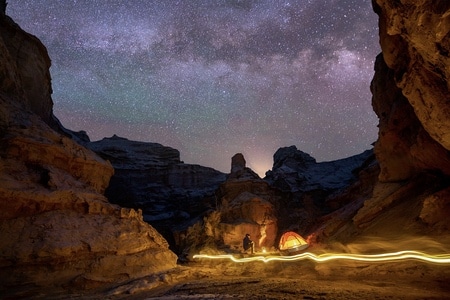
[{"x": 56, "y": 226}]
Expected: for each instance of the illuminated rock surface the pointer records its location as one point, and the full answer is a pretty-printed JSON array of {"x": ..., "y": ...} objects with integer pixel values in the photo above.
[
  {"x": 151, "y": 177},
  {"x": 411, "y": 88},
  {"x": 247, "y": 205},
  {"x": 411, "y": 98},
  {"x": 56, "y": 227}
]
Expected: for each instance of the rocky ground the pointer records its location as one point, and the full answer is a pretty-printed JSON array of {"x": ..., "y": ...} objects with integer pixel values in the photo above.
[
  {"x": 286, "y": 288},
  {"x": 223, "y": 279}
]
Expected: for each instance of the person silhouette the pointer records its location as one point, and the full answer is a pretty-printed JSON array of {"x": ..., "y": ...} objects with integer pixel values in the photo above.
[{"x": 247, "y": 243}]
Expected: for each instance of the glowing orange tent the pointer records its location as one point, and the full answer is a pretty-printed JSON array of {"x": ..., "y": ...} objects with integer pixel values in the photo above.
[{"x": 292, "y": 242}]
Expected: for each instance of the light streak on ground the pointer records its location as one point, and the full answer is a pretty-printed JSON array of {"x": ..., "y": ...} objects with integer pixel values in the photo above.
[{"x": 385, "y": 257}]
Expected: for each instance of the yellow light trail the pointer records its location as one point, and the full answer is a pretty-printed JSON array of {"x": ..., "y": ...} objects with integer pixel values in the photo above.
[{"x": 385, "y": 257}]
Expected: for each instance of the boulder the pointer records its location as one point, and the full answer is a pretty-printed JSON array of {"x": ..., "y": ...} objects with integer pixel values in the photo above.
[{"x": 435, "y": 211}]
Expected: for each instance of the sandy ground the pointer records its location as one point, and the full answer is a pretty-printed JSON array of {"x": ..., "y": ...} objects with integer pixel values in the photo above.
[
  {"x": 223, "y": 279},
  {"x": 302, "y": 279}
]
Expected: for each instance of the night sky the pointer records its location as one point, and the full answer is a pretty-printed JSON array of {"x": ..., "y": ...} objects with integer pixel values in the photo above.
[{"x": 212, "y": 78}]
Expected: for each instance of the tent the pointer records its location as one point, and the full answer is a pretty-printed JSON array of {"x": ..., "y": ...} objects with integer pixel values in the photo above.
[{"x": 291, "y": 242}]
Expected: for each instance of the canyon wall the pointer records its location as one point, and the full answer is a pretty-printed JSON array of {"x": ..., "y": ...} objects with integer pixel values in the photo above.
[
  {"x": 56, "y": 226},
  {"x": 406, "y": 193},
  {"x": 151, "y": 177},
  {"x": 411, "y": 88}
]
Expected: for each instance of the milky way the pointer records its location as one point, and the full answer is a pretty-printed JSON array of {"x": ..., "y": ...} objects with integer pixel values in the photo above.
[{"x": 212, "y": 78}]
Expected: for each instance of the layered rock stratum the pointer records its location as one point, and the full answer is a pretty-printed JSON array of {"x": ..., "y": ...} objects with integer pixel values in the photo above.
[
  {"x": 309, "y": 187},
  {"x": 58, "y": 229},
  {"x": 56, "y": 226},
  {"x": 411, "y": 88},
  {"x": 151, "y": 177},
  {"x": 404, "y": 195},
  {"x": 411, "y": 96},
  {"x": 248, "y": 205}
]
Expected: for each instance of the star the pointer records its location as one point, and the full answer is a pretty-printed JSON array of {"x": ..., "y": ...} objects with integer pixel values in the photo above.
[{"x": 212, "y": 78}]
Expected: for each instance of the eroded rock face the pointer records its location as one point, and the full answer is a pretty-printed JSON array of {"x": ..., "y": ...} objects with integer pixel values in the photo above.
[
  {"x": 56, "y": 227},
  {"x": 411, "y": 88},
  {"x": 294, "y": 170},
  {"x": 151, "y": 177},
  {"x": 248, "y": 206},
  {"x": 435, "y": 211},
  {"x": 25, "y": 69},
  {"x": 308, "y": 184},
  {"x": 239, "y": 170},
  {"x": 411, "y": 98},
  {"x": 245, "y": 204}
]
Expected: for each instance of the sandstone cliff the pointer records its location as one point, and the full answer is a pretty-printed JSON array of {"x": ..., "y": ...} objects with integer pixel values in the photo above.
[
  {"x": 309, "y": 186},
  {"x": 245, "y": 204},
  {"x": 405, "y": 195},
  {"x": 411, "y": 88},
  {"x": 151, "y": 177},
  {"x": 411, "y": 96},
  {"x": 56, "y": 227}
]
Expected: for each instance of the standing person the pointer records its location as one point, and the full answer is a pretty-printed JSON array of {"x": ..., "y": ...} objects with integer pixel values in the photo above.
[{"x": 247, "y": 243}]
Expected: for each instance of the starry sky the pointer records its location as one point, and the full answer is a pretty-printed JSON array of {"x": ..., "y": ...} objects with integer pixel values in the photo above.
[{"x": 213, "y": 78}]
